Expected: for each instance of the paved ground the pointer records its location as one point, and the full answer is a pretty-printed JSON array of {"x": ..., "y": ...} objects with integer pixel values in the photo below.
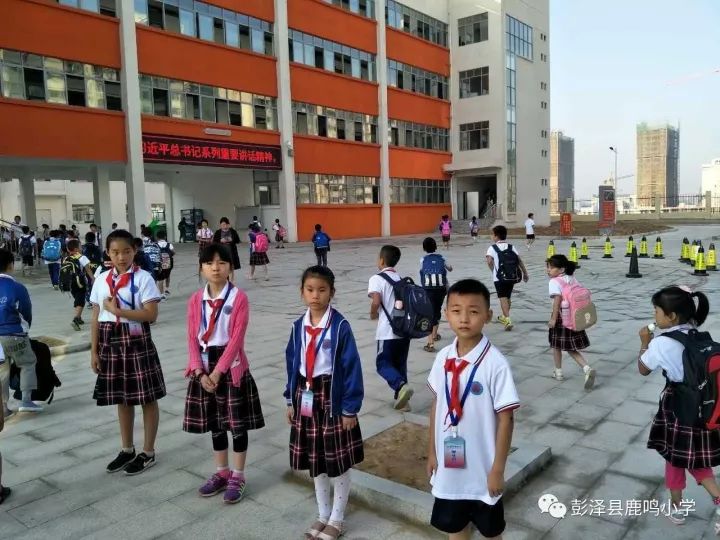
[{"x": 55, "y": 461}]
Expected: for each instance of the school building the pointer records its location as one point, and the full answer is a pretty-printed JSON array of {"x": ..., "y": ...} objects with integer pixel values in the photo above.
[{"x": 373, "y": 117}]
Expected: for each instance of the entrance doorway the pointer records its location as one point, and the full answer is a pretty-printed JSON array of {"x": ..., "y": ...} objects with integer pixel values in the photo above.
[{"x": 476, "y": 196}]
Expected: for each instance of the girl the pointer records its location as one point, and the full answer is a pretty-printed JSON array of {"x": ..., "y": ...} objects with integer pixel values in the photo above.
[
  {"x": 125, "y": 302},
  {"x": 474, "y": 228},
  {"x": 280, "y": 234},
  {"x": 561, "y": 270},
  {"x": 683, "y": 447},
  {"x": 445, "y": 229},
  {"x": 259, "y": 244},
  {"x": 221, "y": 394},
  {"x": 204, "y": 236},
  {"x": 229, "y": 237},
  {"x": 324, "y": 393}
]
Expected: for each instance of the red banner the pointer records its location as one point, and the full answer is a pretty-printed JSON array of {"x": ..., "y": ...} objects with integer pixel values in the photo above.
[
  {"x": 606, "y": 198},
  {"x": 566, "y": 224},
  {"x": 186, "y": 151}
]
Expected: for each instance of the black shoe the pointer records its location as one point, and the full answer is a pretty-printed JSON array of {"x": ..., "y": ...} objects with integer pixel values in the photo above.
[
  {"x": 121, "y": 461},
  {"x": 4, "y": 493},
  {"x": 141, "y": 462}
]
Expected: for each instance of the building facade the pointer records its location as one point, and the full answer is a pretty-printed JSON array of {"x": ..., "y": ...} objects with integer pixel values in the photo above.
[
  {"x": 562, "y": 172},
  {"x": 373, "y": 117},
  {"x": 657, "y": 163},
  {"x": 711, "y": 178}
]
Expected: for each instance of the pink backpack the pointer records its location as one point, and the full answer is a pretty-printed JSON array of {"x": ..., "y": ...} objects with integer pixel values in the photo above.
[
  {"x": 261, "y": 243},
  {"x": 445, "y": 227},
  {"x": 582, "y": 312}
]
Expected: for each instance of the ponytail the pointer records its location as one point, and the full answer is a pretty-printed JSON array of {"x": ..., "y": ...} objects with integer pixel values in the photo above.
[
  {"x": 703, "y": 308},
  {"x": 681, "y": 301}
]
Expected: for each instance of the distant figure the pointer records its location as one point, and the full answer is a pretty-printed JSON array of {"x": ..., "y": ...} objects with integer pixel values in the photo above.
[
  {"x": 474, "y": 228},
  {"x": 27, "y": 246},
  {"x": 113, "y": 226},
  {"x": 181, "y": 230},
  {"x": 530, "y": 230},
  {"x": 98, "y": 235},
  {"x": 228, "y": 237},
  {"x": 280, "y": 234},
  {"x": 445, "y": 229},
  {"x": 256, "y": 223},
  {"x": 321, "y": 241}
]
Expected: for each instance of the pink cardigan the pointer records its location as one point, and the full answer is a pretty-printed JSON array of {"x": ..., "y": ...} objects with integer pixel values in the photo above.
[{"x": 233, "y": 358}]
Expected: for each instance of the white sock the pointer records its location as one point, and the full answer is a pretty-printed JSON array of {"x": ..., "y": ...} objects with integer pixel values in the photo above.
[
  {"x": 322, "y": 494},
  {"x": 129, "y": 449},
  {"x": 340, "y": 497},
  {"x": 586, "y": 368}
]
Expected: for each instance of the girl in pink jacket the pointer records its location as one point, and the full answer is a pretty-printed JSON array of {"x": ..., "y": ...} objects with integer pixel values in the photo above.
[{"x": 221, "y": 394}]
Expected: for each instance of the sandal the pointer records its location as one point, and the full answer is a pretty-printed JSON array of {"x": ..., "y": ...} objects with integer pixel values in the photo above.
[
  {"x": 438, "y": 337},
  {"x": 331, "y": 532},
  {"x": 315, "y": 530},
  {"x": 429, "y": 348},
  {"x": 5, "y": 493}
]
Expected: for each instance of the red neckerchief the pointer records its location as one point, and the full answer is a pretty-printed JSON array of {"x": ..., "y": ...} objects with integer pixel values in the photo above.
[
  {"x": 455, "y": 406},
  {"x": 122, "y": 281}
]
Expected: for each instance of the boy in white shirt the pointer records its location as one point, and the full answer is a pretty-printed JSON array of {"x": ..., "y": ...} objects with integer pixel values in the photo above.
[
  {"x": 471, "y": 420},
  {"x": 502, "y": 254},
  {"x": 81, "y": 283},
  {"x": 530, "y": 230}
]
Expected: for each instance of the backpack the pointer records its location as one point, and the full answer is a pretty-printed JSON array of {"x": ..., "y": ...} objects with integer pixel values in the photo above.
[
  {"x": 695, "y": 399},
  {"x": 412, "y": 314},
  {"x": 47, "y": 379},
  {"x": 474, "y": 227},
  {"x": 261, "y": 243},
  {"x": 282, "y": 231},
  {"x": 166, "y": 262},
  {"x": 93, "y": 253},
  {"x": 321, "y": 240},
  {"x": 26, "y": 248},
  {"x": 71, "y": 276},
  {"x": 433, "y": 273},
  {"x": 583, "y": 314},
  {"x": 445, "y": 227},
  {"x": 154, "y": 255},
  {"x": 508, "y": 270},
  {"x": 51, "y": 250}
]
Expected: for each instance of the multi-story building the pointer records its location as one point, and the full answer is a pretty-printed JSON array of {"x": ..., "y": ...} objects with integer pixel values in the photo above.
[
  {"x": 711, "y": 178},
  {"x": 562, "y": 172},
  {"x": 373, "y": 117},
  {"x": 657, "y": 163}
]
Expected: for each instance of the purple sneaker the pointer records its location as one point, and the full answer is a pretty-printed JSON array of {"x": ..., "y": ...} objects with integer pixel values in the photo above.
[
  {"x": 213, "y": 486},
  {"x": 234, "y": 491}
]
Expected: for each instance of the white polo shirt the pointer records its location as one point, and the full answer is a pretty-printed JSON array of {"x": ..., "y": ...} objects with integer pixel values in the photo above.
[
  {"x": 377, "y": 284},
  {"x": 221, "y": 333},
  {"x": 323, "y": 358},
  {"x": 492, "y": 391},
  {"x": 529, "y": 226},
  {"x": 502, "y": 246},
  {"x": 141, "y": 288},
  {"x": 666, "y": 353}
]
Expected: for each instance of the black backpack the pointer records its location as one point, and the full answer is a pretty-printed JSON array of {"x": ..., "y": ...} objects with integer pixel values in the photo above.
[
  {"x": 26, "y": 247},
  {"x": 695, "y": 399},
  {"x": 508, "y": 265},
  {"x": 71, "y": 276},
  {"x": 414, "y": 315},
  {"x": 47, "y": 379},
  {"x": 152, "y": 250},
  {"x": 93, "y": 253}
]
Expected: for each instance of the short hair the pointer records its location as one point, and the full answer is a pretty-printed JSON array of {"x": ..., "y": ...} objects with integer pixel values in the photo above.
[
  {"x": 205, "y": 221},
  {"x": 63, "y": 227},
  {"x": 162, "y": 235},
  {"x": 319, "y": 272},
  {"x": 7, "y": 259},
  {"x": 318, "y": 227},
  {"x": 469, "y": 286},
  {"x": 429, "y": 245},
  {"x": 73, "y": 244},
  {"x": 500, "y": 231},
  {"x": 93, "y": 225},
  {"x": 114, "y": 225},
  {"x": 121, "y": 235},
  {"x": 208, "y": 254},
  {"x": 25, "y": 229},
  {"x": 474, "y": 218},
  {"x": 54, "y": 233},
  {"x": 224, "y": 220},
  {"x": 45, "y": 226},
  {"x": 90, "y": 237},
  {"x": 137, "y": 243},
  {"x": 277, "y": 220},
  {"x": 530, "y": 215},
  {"x": 390, "y": 255}
]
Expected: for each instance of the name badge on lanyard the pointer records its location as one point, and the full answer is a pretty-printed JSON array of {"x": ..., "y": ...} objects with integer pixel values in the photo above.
[{"x": 308, "y": 397}]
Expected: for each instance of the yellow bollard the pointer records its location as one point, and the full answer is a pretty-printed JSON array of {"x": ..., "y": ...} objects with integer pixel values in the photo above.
[
  {"x": 685, "y": 251},
  {"x": 629, "y": 247},
  {"x": 573, "y": 254},
  {"x": 700, "y": 268},
  {"x": 607, "y": 250},
  {"x": 694, "y": 248},
  {"x": 584, "y": 251},
  {"x": 550, "y": 249},
  {"x": 711, "y": 262},
  {"x": 643, "y": 248},
  {"x": 658, "y": 249}
]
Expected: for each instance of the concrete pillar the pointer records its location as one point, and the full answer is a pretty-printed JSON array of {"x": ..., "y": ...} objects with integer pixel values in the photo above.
[
  {"x": 286, "y": 177},
  {"x": 129, "y": 77},
  {"x": 383, "y": 131},
  {"x": 28, "y": 213},
  {"x": 101, "y": 200},
  {"x": 454, "y": 197},
  {"x": 170, "y": 220}
]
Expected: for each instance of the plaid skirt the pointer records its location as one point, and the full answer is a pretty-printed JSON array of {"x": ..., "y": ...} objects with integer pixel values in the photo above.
[
  {"x": 565, "y": 339},
  {"x": 231, "y": 408},
  {"x": 320, "y": 444},
  {"x": 130, "y": 372},
  {"x": 683, "y": 446},
  {"x": 259, "y": 258}
]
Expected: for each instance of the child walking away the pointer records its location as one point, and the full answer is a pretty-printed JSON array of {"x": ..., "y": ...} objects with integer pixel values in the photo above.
[
  {"x": 123, "y": 355},
  {"x": 141, "y": 258},
  {"x": 471, "y": 421},
  {"x": 507, "y": 269},
  {"x": 26, "y": 249},
  {"x": 324, "y": 394},
  {"x": 433, "y": 278},
  {"x": 392, "y": 350},
  {"x": 91, "y": 250},
  {"x": 321, "y": 242},
  {"x": 167, "y": 261},
  {"x": 530, "y": 230},
  {"x": 445, "y": 229},
  {"x": 259, "y": 244},
  {"x": 221, "y": 395},
  {"x": 75, "y": 277},
  {"x": 687, "y": 357},
  {"x": 474, "y": 227},
  {"x": 280, "y": 234},
  {"x": 562, "y": 282},
  {"x": 51, "y": 254}
]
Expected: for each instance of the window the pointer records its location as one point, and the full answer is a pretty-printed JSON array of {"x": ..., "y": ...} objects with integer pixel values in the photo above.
[
  {"x": 543, "y": 86},
  {"x": 475, "y": 82},
  {"x": 543, "y": 134},
  {"x": 366, "y": 8},
  {"x": 104, "y": 7},
  {"x": 411, "y": 191},
  {"x": 333, "y": 123},
  {"x": 324, "y": 54},
  {"x": 421, "y": 81},
  {"x": 473, "y": 29},
  {"x": 543, "y": 153},
  {"x": 475, "y": 136},
  {"x": 543, "y": 104},
  {"x": 408, "y": 20},
  {"x": 155, "y": 14},
  {"x": 414, "y": 135},
  {"x": 83, "y": 213},
  {"x": 543, "y": 57},
  {"x": 75, "y": 91},
  {"x": 543, "y": 202},
  {"x": 34, "y": 84},
  {"x": 157, "y": 210},
  {"x": 336, "y": 189},
  {"x": 543, "y": 181},
  {"x": 519, "y": 38}
]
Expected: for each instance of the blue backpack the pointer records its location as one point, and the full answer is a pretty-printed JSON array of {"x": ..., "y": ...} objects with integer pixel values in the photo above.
[
  {"x": 412, "y": 314},
  {"x": 433, "y": 274},
  {"x": 51, "y": 250},
  {"x": 321, "y": 240}
]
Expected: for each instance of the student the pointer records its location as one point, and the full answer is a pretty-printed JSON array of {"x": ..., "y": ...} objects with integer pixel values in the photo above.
[
  {"x": 474, "y": 396},
  {"x": 221, "y": 395},
  {"x": 141, "y": 258},
  {"x": 559, "y": 268},
  {"x": 167, "y": 261},
  {"x": 445, "y": 229},
  {"x": 204, "y": 236},
  {"x": 181, "y": 230},
  {"x": 684, "y": 447},
  {"x": 91, "y": 250},
  {"x": 98, "y": 236},
  {"x": 52, "y": 255},
  {"x": 81, "y": 277},
  {"x": 114, "y": 226},
  {"x": 256, "y": 223},
  {"x": 27, "y": 245},
  {"x": 123, "y": 355},
  {"x": 228, "y": 237},
  {"x": 392, "y": 350},
  {"x": 474, "y": 227},
  {"x": 14, "y": 309},
  {"x": 324, "y": 393},
  {"x": 530, "y": 230},
  {"x": 321, "y": 242},
  {"x": 433, "y": 278},
  {"x": 280, "y": 233},
  {"x": 259, "y": 244},
  {"x": 504, "y": 287}
]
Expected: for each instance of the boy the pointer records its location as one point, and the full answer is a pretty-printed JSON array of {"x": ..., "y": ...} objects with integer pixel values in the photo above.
[
  {"x": 433, "y": 278},
  {"x": 530, "y": 230},
  {"x": 321, "y": 241},
  {"x": 167, "y": 261},
  {"x": 470, "y": 433},
  {"x": 445, "y": 229},
  {"x": 52, "y": 254},
  {"x": 392, "y": 350},
  {"x": 26, "y": 249},
  {"x": 141, "y": 259},
  {"x": 14, "y": 339},
  {"x": 504, "y": 287},
  {"x": 81, "y": 279},
  {"x": 98, "y": 236},
  {"x": 92, "y": 251}
]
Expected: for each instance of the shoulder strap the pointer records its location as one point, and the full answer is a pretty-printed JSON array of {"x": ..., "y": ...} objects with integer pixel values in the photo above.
[
  {"x": 497, "y": 249},
  {"x": 677, "y": 335}
]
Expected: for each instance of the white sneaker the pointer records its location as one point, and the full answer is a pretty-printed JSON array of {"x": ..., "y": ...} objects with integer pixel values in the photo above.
[
  {"x": 29, "y": 406},
  {"x": 589, "y": 377},
  {"x": 675, "y": 515},
  {"x": 558, "y": 375}
]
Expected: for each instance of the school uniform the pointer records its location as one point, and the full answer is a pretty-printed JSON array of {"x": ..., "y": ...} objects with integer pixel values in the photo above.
[
  {"x": 529, "y": 229},
  {"x": 683, "y": 447},
  {"x": 502, "y": 288},
  {"x": 235, "y": 404},
  {"x": 474, "y": 229},
  {"x": 130, "y": 372},
  {"x": 164, "y": 273},
  {"x": 319, "y": 443},
  {"x": 461, "y": 494},
  {"x": 257, "y": 258},
  {"x": 230, "y": 239},
  {"x": 434, "y": 281},
  {"x": 204, "y": 238},
  {"x": 445, "y": 233},
  {"x": 560, "y": 337}
]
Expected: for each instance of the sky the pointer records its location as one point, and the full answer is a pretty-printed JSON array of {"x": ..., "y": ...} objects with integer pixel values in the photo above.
[{"x": 615, "y": 63}]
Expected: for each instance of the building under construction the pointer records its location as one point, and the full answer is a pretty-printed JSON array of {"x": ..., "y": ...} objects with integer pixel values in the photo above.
[
  {"x": 562, "y": 172},
  {"x": 657, "y": 163}
]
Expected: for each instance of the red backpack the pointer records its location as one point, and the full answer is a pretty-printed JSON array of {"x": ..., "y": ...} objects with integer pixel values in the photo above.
[{"x": 261, "y": 243}]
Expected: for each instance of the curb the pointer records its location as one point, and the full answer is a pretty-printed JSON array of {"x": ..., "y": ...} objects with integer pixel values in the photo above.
[{"x": 62, "y": 350}]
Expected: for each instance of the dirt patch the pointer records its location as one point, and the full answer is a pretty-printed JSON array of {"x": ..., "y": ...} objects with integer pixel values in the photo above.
[{"x": 590, "y": 228}]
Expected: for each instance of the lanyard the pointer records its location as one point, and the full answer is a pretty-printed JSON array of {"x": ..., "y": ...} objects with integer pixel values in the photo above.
[
  {"x": 454, "y": 420},
  {"x": 308, "y": 371},
  {"x": 213, "y": 320},
  {"x": 115, "y": 288}
]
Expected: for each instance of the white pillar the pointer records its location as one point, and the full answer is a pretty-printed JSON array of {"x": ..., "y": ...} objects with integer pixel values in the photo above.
[
  {"x": 383, "y": 129},
  {"x": 129, "y": 77},
  {"x": 101, "y": 200},
  {"x": 170, "y": 219},
  {"x": 454, "y": 198},
  {"x": 28, "y": 213},
  {"x": 286, "y": 177}
]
